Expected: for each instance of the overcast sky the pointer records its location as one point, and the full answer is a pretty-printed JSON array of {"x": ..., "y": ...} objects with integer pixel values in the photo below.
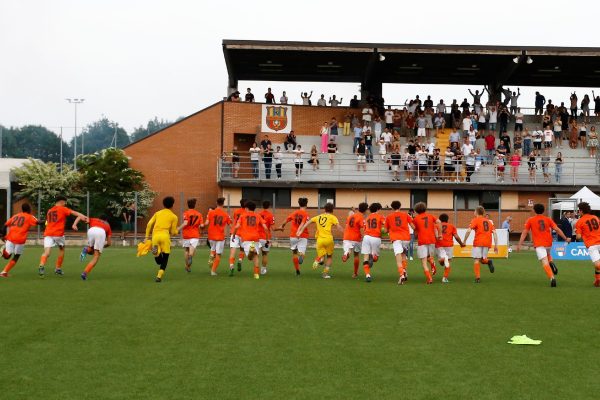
[{"x": 133, "y": 60}]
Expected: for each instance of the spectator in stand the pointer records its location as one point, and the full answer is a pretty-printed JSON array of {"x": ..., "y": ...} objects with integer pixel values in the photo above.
[
  {"x": 456, "y": 116},
  {"x": 408, "y": 161},
  {"x": 334, "y": 102},
  {"x": 354, "y": 103},
  {"x": 558, "y": 162},
  {"x": 550, "y": 107},
  {"x": 548, "y": 137},
  {"x": 540, "y": 100},
  {"x": 411, "y": 123},
  {"x": 490, "y": 147},
  {"x": 557, "y": 133},
  {"x": 565, "y": 225},
  {"x": 358, "y": 133},
  {"x": 439, "y": 123},
  {"x": 428, "y": 104},
  {"x": 465, "y": 106},
  {"x": 526, "y": 142},
  {"x": 546, "y": 119},
  {"x": 389, "y": 118},
  {"x": 235, "y": 96},
  {"x": 333, "y": 130},
  {"x": 265, "y": 142},
  {"x": 466, "y": 124},
  {"x": 545, "y": 161},
  {"x": 500, "y": 162},
  {"x": 269, "y": 97},
  {"x": 519, "y": 117},
  {"x": 387, "y": 139},
  {"x": 278, "y": 160},
  {"x": 470, "y": 159},
  {"x": 324, "y": 133},
  {"x": 298, "y": 163},
  {"x": 377, "y": 126},
  {"x": 493, "y": 118},
  {"x": 369, "y": 145},
  {"x": 306, "y": 98},
  {"x": 441, "y": 108},
  {"x": 466, "y": 147},
  {"x": 412, "y": 149},
  {"x": 268, "y": 160},
  {"x": 515, "y": 162},
  {"x": 481, "y": 122},
  {"x": 331, "y": 150},
  {"x": 531, "y": 165},
  {"x": 507, "y": 95},
  {"x": 422, "y": 163},
  {"x": 367, "y": 114},
  {"x": 347, "y": 124},
  {"x": 592, "y": 143},
  {"x": 395, "y": 159},
  {"x": 454, "y": 138},
  {"x": 283, "y": 99},
  {"x": 361, "y": 158},
  {"x": 503, "y": 116},
  {"x": 518, "y": 143},
  {"x": 573, "y": 132},
  {"x": 249, "y": 98},
  {"x": 596, "y": 104},
  {"x": 477, "y": 99},
  {"x": 514, "y": 100},
  {"x": 504, "y": 138},
  {"x": 583, "y": 135},
  {"x": 538, "y": 137},
  {"x": 428, "y": 122},
  {"x": 398, "y": 120},
  {"x": 421, "y": 130},
  {"x": 290, "y": 140},
  {"x": 448, "y": 164},
  {"x": 382, "y": 149},
  {"x": 314, "y": 157},
  {"x": 235, "y": 162},
  {"x": 322, "y": 102},
  {"x": 573, "y": 100},
  {"x": 585, "y": 108},
  {"x": 254, "y": 159}
]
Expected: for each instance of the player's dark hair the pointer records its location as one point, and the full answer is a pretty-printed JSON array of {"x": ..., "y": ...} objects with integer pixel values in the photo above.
[
  {"x": 420, "y": 207},
  {"x": 444, "y": 217},
  {"x": 191, "y": 203},
  {"x": 103, "y": 217},
  {"x": 60, "y": 198},
  {"x": 362, "y": 207},
  {"x": 25, "y": 207},
  {"x": 220, "y": 201},
  {"x": 396, "y": 205},
  {"x": 168, "y": 202},
  {"x": 266, "y": 204},
  {"x": 243, "y": 203},
  {"x": 480, "y": 210},
  {"x": 250, "y": 205},
  {"x": 379, "y": 206},
  {"x": 374, "y": 207},
  {"x": 584, "y": 207},
  {"x": 539, "y": 208},
  {"x": 329, "y": 207},
  {"x": 302, "y": 201}
]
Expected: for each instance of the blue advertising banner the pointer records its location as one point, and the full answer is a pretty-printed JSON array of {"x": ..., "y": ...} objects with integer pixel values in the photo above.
[{"x": 569, "y": 251}]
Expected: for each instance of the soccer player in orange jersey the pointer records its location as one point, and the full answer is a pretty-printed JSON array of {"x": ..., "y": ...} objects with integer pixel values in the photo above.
[
  {"x": 54, "y": 234},
  {"x": 18, "y": 227},
  {"x": 216, "y": 220},
  {"x": 588, "y": 229},
  {"x": 235, "y": 242},
  {"x": 353, "y": 235},
  {"x": 428, "y": 229},
  {"x": 397, "y": 224},
  {"x": 484, "y": 232},
  {"x": 247, "y": 228},
  {"x": 297, "y": 244},
  {"x": 192, "y": 223},
  {"x": 265, "y": 245},
  {"x": 374, "y": 227},
  {"x": 445, "y": 245},
  {"x": 99, "y": 236},
  {"x": 541, "y": 228}
]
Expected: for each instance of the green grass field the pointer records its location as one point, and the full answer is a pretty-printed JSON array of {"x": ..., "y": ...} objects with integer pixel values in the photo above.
[{"x": 120, "y": 335}]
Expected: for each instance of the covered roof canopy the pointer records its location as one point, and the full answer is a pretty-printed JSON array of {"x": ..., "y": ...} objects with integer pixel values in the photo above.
[{"x": 411, "y": 63}]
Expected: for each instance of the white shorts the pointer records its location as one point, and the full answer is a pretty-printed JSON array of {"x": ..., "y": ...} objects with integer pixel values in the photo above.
[
  {"x": 421, "y": 131},
  {"x": 542, "y": 252},
  {"x": 594, "y": 252},
  {"x": 246, "y": 246},
  {"x": 234, "y": 242},
  {"x": 425, "y": 250},
  {"x": 299, "y": 244},
  {"x": 217, "y": 246},
  {"x": 263, "y": 245},
  {"x": 361, "y": 159},
  {"x": 480, "y": 252},
  {"x": 351, "y": 245},
  {"x": 12, "y": 248},
  {"x": 445, "y": 252},
  {"x": 191, "y": 242},
  {"x": 96, "y": 238},
  {"x": 51, "y": 241},
  {"x": 398, "y": 246},
  {"x": 370, "y": 245}
]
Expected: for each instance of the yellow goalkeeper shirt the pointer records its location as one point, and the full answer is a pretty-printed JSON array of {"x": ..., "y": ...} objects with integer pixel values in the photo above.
[{"x": 163, "y": 221}]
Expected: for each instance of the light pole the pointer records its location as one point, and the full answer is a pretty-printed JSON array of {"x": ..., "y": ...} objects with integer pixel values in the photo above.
[{"x": 75, "y": 102}]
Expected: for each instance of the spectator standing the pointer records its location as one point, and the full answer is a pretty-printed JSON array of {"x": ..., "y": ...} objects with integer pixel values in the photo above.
[
  {"x": 441, "y": 107},
  {"x": 548, "y": 137},
  {"x": 545, "y": 162},
  {"x": 557, "y": 133},
  {"x": 558, "y": 163},
  {"x": 324, "y": 136},
  {"x": 269, "y": 97},
  {"x": 331, "y": 150},
  {"x": 298, "y": 163},
  {"x": 538, "y": 137},
  {"x": 367, "y": 114},
  {"x": 235, "y": 96},
  {"x": 565, "y": 225},
  {"x": 526, "y": 142},
  {"x": 358, "y": 133},
  {"x": 500, "y": 161},
  {"x": 470, "y": 159},
  {"x": 283, "y": 99},
  {"x": 354, "y": 103},
  {"x": 322, "y": 102},
  {"x": 519, "y": 117},
  {"x": 377, "y": 127},
  {"x": 467, "y": 147},
  {"x": 290, "y": 140},
  {"x": 254, "y": 159},
  {"x": 334, "y": 102},
  {"x": 278, "y": 160},
  {"x": 592, "y": 143},
  {"x": 514, "y": 100},
  {"x": 314, "y": 157},
  {"x": 382, "y": 149},
  {"x": 421, "y": 130},
  {"x": 531, "y": 165},
  {"x": 454, "y": 138},
  {"x": 389, "y": 118},
  {"x": 387, "y": 139},
  {"x": 235, "y": 162},
  {"x": 506, "y": 224},
  {"x": 439, "y": 123},
  {"x": 515, "y": 162},
  {"x": 395, "y": 159},
  {"x": 585, "y": 108},
  {"x": 268, "y": 160},
  {"x": 573, "y": 132},
  {"x": 428, "y": 121},
  {"x": 361, "y": 152},
  {"x": 540, "y": 100},
  {"x": 573, "y": 100},
  {"x": 369, "y": 146},
  {"x": 596, "y": 104},
  {"x": 583, "y": 135},
  {"x": 249, "y": 98},
  {"x": 505, "y": 139},
  {"x": 504, "y": 115},
  {"x": 333, "y": 130},
  {"x": 265, "y": 142},
  {"x": 493, "y": 118},
  {"x": 477, "y": 99},
  {"x": 306, "y": 98}
]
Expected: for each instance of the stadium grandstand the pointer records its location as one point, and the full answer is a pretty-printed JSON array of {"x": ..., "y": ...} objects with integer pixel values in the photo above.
[{"x": 454, "y": 156}]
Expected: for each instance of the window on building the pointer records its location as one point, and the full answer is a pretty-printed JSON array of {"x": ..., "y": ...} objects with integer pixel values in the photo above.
[
  {"x": 283, "y": 197},
  {"x": 469, "y": 200},
  {"x": 326, "y": 196},
  {"x": 417, "y": 196}
]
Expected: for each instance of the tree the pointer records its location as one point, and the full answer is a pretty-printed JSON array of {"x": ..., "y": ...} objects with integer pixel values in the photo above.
[
  {"x": 112, "y": 183},
  {"x": 100, "y": 135},
  {"x": 40, "y": 180},
  {"x": 34, "y": 141},
  {"x": 152, "y": 126}
]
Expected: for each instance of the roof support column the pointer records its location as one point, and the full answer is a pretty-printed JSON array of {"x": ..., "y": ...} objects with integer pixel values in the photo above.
[{"x": 372, "y": 85}]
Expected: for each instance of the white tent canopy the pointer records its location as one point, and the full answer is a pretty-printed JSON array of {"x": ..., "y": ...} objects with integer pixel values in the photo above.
[
  {"x": 584, "y": 194},
  {"x": 6, "y": 166}
]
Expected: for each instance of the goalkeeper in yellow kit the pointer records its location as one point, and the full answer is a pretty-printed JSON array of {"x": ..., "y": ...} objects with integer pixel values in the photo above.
[{"x": 162, "y": 225}]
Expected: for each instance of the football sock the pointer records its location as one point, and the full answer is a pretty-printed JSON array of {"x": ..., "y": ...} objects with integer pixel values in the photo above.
[
  {"x": 216, "y": 262},
  {"x": 548, "y": 271},
  {"x": 427, "y": 275},
  {"x": 597, "y": 274},
  {"x": 367, "y": 268},
  {"x": 9, "y": 266},
  {"x": 356, "y": 265},
  {"x": 43, "y": 260},
  {"x": 446, "y": 262},
  {"x": 296, "y": 262},
  {"x": 158, "y": 259},
  {"x": 326, "y": 271},
  {"x": 241, "y": 256},
  {"x": 401, "y": 269},
  {"x": 89, "y": 267},
  {"x": 256, "y": 269},
  {"x": 477, "y": 269},
  {"x": 5, "y": 254},
  {"x": 165, "y": 260},
  {"x": 431, "y": 261},
  {"x": 160, "y": 273},
  {"x": 231, "y": 261},
  {"x": 446, "y": 271},
  {"x": 59, "y": 261}
]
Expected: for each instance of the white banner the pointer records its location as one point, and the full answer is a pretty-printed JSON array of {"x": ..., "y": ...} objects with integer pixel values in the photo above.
[{"x": 276, "y": 118}]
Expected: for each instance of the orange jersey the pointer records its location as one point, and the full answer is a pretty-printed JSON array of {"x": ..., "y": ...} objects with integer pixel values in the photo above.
[
  {"x": 354, "y": 224},
  {"x": 18, "y": 226},
  {"x": 541, "y": 230},
  {"x": 425, "y": 228},
  {"x": 194, "y": 220},
  {"x": 483, "y": 228},
  {"x": 55, "y": 221},
  {"x": 217, "y": 220},
  {"x": 397, "y": 224},
  {"x": 448, "y": 232},
  {"x": 588, "y": 227},
  {"x": 237, "y": 213},
  {"x": 249, "y": 224},
  {"x": 297, "y": 218},
  {"x": 373, "y": 224},
  {"x": 269, "y": 219},
  {"x": 100, "y": 223}
]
